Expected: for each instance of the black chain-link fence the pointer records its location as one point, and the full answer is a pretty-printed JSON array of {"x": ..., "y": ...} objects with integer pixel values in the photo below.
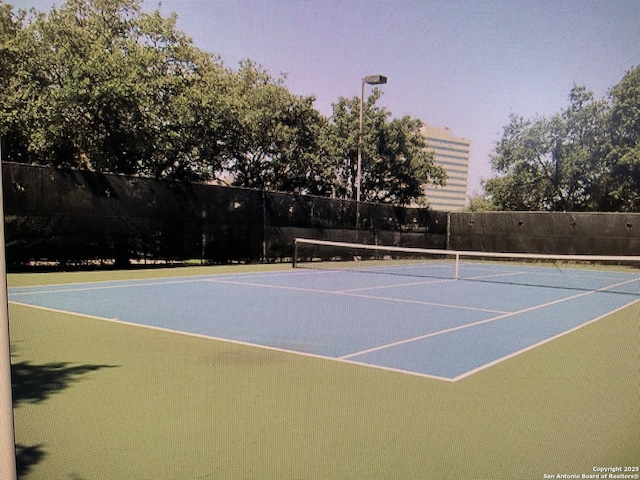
[
  {"x": 70, "y": 217},
  {"x": 562, "y": 233}
]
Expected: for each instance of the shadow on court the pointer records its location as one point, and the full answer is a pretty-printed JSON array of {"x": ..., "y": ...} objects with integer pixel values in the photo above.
[
  {"x": 36, "y": 383},
  {"x": 26, "y": 457}
]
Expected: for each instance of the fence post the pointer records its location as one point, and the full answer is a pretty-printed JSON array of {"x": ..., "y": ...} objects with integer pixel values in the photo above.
[{"x": 264, "y": 226}]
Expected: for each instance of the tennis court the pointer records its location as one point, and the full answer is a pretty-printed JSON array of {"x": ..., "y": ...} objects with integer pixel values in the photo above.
[{"x": 412, "y": 317}]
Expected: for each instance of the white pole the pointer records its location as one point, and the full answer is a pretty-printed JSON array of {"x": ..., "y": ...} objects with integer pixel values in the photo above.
[{"x": 7, "y": 435}]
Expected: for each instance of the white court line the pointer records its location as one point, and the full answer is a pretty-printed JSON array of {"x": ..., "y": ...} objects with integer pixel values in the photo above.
[
  {"x": 542, "y": 342},
  {"x": 395, "y": 285},
  {"x": 355, "y": 295},
  {"x": 229, "y": 340},
  {"x": 267, "y": 285},
  {"x": 68, "y": 312},
  {"x": 494, "y": 275},
  {"x": 343, "y": 359},
  {"x": 126, "y": 283},
  {"x": 442, "y": 280},
  {"x": 633, "y": 280},
  {"x": 552, "y": 271},
  {"x": 481, "y": 322},
  {"x": 66, "y": 289},
  {"x": 420, "y": 302}
]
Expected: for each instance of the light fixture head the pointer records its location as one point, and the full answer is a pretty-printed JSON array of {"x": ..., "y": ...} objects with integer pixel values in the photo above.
[{"x": 375, "y": 79}]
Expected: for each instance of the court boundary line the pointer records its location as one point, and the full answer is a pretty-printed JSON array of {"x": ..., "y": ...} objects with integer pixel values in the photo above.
[
  {"x": 324, "y": 357},
  {"x": 346, "y": 359},
  {"x": 229, "y": 340},
  {"x": 482, "y": 322},
  {"x": 549, "y": 271},
  {"x": 152, "y": 283},
  {"x": 141, "y": 282},
  {"x": 540, "y": 343},
  {"x": 231, "y": 281}
]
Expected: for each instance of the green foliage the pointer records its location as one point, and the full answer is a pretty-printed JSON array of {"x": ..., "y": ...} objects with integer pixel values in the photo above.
[
  {"x": 623, "y": 153},
  {"x": 584, "y": 159},
  {"x": 395, "y": 166},
  {"x": 479, "y": 203},
  {"x": 105, "y": 86},
  {"x": 274, "y": 136},
  {"x": 101, "y": 85},
  {"x": 545, "y": 163}
]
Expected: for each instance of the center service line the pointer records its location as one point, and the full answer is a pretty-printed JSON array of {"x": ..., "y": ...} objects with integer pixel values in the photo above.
[
  {"x": 462, "y": 327},
  {"x": 346, "y": 293}
]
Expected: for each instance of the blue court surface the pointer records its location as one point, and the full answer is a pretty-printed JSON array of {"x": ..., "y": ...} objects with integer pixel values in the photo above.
[{"x": 419, "y": 324}]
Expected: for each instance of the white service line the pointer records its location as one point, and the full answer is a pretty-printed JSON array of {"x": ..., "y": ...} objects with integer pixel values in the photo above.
[
  {"x": 493, "y": 319},
  {"x": 462, "y": 327},
  {"x": 394, "y": 285},
  {"x": 344, "y": 293}
]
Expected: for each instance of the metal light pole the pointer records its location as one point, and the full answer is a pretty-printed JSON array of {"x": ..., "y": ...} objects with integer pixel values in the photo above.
[{"x": 370, "y": 80}]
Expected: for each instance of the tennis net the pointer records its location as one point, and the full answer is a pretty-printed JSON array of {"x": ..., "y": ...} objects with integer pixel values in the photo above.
[{"x": 617, "y": 274}]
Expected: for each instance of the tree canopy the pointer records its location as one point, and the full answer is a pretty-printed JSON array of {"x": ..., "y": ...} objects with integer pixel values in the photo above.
[
  {"x": 623, "y": 150},
  {"x": 106, "y": 86},
  {"x": 585, "y": 158},
  {"x": 101, "y": 85},
  {"x": 395, "y": 163}
]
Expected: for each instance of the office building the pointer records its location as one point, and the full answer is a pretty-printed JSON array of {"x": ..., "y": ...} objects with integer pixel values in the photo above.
[{"x": 451, "y": 153}]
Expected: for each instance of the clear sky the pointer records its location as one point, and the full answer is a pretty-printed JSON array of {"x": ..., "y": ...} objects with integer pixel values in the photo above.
[{"x": 466, "y": 65}]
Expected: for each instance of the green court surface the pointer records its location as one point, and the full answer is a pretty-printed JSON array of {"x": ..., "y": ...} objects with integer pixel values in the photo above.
[{"x": 104, "y": 400}]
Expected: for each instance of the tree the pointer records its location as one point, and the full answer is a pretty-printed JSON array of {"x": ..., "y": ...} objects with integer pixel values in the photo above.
[
  {"x": 274, "y": 139},
  {"x": 395, "y": 164},
  {"x": 623, "y": 152},
  {"x": 102, "y": 85},
  {"x": 551, "y": 164},
  {"x": 480, "y": 203},
  {"x": 98, "y": 84},
  {"x": 586, "y": 158},
  {"x": 10, "y": 25}
]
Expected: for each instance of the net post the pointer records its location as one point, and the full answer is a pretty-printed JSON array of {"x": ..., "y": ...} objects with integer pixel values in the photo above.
[{"x": 294, "y": 263}]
